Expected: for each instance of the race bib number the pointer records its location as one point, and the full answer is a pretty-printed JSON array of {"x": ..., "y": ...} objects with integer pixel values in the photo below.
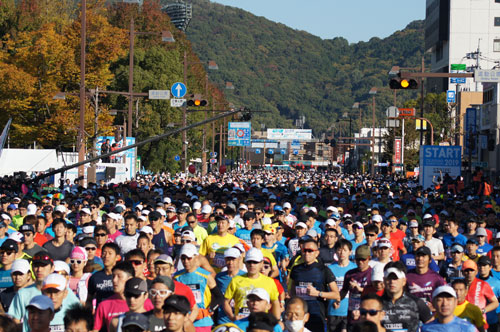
[
  {"x": 56, "y": 328},
  {"x": 301, "y": 290},
  {"x": 244, "y": 312},
  {"x": 196, "y": 289}
]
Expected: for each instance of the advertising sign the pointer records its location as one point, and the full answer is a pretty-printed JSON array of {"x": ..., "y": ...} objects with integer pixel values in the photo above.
[
  {"x": 129, "y": 155},
  {"x": 289, "y": 134},
  {"x": 239, "y": 134},
  {"x": 436, "y": 160},
  {"x": 470, "y": 130},
  {"x": 397, "y": 151},
  {"x": 406, "y": 112}
]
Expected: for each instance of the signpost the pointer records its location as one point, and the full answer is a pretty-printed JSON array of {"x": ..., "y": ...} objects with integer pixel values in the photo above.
[
  {"x": 257, "y": 151},
  {"x": 213, "y": 161},
  {"x": 487, "y": 75},
  {"x": 176, "y": 102},
  {"x": 435, "y": 159},
  {"x": 458, "y": 68},
  {"x": 177, "y": 158},
  {"x": 289, "y": 134},
  {"x": 239, "y": 134},
  {"x": 406, "y": 112},
  {"x": 178, "y": 90},
  {"x": 159, "y": 94},
  {"x": 450, "y": 96}
]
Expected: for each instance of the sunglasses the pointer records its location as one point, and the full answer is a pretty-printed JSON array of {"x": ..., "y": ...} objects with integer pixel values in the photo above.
[
  {"x": 8, "y": 252},
  {"x": 75, "y": 261},
  {"x": 186, "y": 241},
  {"x": 361, "y": 259},
  {"x": 27, "y": 233},
  {"x": 191, "y": 221},
  {"x": 371, "y": 312},
  {"x": 308, "y": 251},
  {"x": 370, "y": 234},
  {"x": 252, "y": 262},
  {"x": 160, "y": 292},
  {"x": 136, "y": 262},
  {"x": 100, "y": 235},
  {"x": 135, "y": 296},
  {"x": 90, "y": 248}
]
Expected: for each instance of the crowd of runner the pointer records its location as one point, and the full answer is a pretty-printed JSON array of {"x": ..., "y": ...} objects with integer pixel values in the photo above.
[{"x": 261, "y": 250}]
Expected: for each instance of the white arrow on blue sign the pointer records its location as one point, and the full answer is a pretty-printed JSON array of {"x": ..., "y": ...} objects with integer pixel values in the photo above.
[
  {"x": 295, "y": 152},
  {"x": 178, "y": 90},
  {"x": 177, "y": 158},
  {"x": 213, "y": 154},
  {"x": 270, "y": 151},
  {"x": 257, "y": 151},
  {"x": 283, "y": 151}
]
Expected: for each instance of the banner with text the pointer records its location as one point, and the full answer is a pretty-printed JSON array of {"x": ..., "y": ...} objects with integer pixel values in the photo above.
[{"x": 438, "y": 160}]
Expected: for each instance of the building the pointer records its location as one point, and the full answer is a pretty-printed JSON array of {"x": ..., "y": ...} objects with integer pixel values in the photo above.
[{"x": 455, "y": 30}]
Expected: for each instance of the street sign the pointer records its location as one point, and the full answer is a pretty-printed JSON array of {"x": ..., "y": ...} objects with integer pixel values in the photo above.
[
  {"x": 159, "y": 94},
  {"x": 392, "y": 112},
  {"x": 213, "y": 154},
  {"x": 175, "y": 102},
  {"x": 487, "y": 75},
  {"x": 435, "y": 159},
  {"x": 213, "y": 161},
  {"x": 239, "y": 134},
  {"x": 295, "y": 152},
  {"x": 458, "y": 68},
  {"x": 406, "y": 112},
  {"x": 470, "y": 130},
  {"x": 450, "y": 96},
  {"x": 177, "y": 158},
  {"x": 397, "y": 151},
  {"x": 257, "y": 151},
  {"x": 283, "y": 151},
  {"x": 178, "y": 90},
  {"x": 270, "y": 151}
]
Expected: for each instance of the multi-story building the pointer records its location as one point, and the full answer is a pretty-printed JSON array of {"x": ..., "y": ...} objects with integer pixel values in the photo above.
[{"x": 455, "y": 30}]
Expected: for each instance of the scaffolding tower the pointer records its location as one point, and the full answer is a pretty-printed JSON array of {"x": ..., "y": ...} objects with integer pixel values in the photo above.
[{"x": 180, "y": 13}]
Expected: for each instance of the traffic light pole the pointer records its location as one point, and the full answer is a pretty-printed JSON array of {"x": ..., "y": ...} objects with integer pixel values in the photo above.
[{"x": 184, "y": 121}]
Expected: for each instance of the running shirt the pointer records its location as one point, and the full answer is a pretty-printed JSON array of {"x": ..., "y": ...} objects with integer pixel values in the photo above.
[
  {"x": 470, "y": 313},
  {"x": 112, "y": 307},
  {"x": 244, "y": 234},
  {"x": 363, "y": 278},
  {"x": 479, "y": 293},
  {"x": 422, "y": 285},
  {"x": 240, "y": 286},
  {"x": 456, "y": 325},
  {"x": 435, "y": 245},
  {"x": 405, "y": 313},
  {"x": 101, "y": 286},
  {"x": 216, "y": 244},
  {"x": 409, "y": 261},
  {"x": 245, "y": 322},
  {"x": 5, "y": 280},
  {"x": 340, "y": 272},
  {"x": 223, "y": 279},
  {"x": 492, "y": 316},
  {"x": 450, "y": 272}
]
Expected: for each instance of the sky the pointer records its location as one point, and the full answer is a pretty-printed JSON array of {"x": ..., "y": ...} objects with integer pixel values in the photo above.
[{"x": 355, "y": 20}]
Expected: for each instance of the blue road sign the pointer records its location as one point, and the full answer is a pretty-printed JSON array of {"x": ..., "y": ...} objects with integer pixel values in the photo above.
[
  {"x": 257, "y": 151},
  {"x": 178, "y": 90},
  {"x": 213, "y": 154},
  {"x": 177, "y": 158},
  {"x": 239, "y": 134},
  {"x": 283, "y": 151},
  {"x": 450, "y": 96},
  {"x": 457, "y": 80},
  {"x": 295, "y": 152},
  {"x": 436, "y": 160},
  {"x": 270, "y": 151}
]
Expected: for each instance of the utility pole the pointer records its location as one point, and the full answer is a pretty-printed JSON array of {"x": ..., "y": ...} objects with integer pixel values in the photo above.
[
  {"x": 81, "y": 128},
  {"x": 422, "y": 103},
  {"x": 130, "y": 80},
  {"x": 184, "y": 120}
]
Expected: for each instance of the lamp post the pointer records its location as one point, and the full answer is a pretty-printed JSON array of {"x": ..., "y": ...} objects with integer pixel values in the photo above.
[{"x": 373, "y": 92}]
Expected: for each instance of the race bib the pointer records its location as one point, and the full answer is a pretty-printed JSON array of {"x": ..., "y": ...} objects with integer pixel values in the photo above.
[
  {"x": 244, "y": 312},
  {"x": 301, "y": 290},
  {"x": 196, "y": 289}
]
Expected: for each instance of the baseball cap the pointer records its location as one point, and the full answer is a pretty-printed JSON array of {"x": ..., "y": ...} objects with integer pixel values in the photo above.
[
  {"x": 189, "y": 234},
  {"x": 362, "y": 252},
  {"x": 484, "y": 260},
  {"x": 444, "y": 290},
  {"x": 287, "y": 205},
  {"x": 61, "y": 266},
  {"x": 177, "y": 302},
  {"x": 331, "y": 223},
  {"x": 469, "y": 264},
  {"x": 377, "y": 218},
  {"x": 418, "y": 237},
  {"x": 206, "y": 209},
  {"x": 163, "y": 258},
  {"x": 480, "y": 231},
  {"x": 188, "y": 250},
  {"x": 20, "y": 265},
  {"x": 136, "y": 319},
  {"x": 146, "y": 229},
  {"x": 261, "y": 293},
  {"x": 27, "y": 228},
  {"x": 384, "y": 243},
  {"x": 17, "y": 236},
  {"x": 9, "y": 244},
  {"x": 78, "y": 253},
  {"x": 457, "y": 248},
  {"x": 41, "y": 302},
  {"x": 301, "y": 224},
  {"x": 136, "y": 286},
  {"x": 392, "y": 270},
  {"x": 413, "y": 223},
  {"x": 54, "y": 280},
  {"x": 196, "y": 205},
  {"x": 232, "y": 253},
  {"x": 87, "y": 240},
  {"x": 269, "y": 229},
  {"x": 85, "y": 210},
  {"x": 312, "y": 233},
  {"x": 423, "y": 251},
  {"x": 42, "y": 257},
  {"x": 358, "y": 225},
  {"x": 254, "y": 255},
  {"x": 378, "y": 273}
]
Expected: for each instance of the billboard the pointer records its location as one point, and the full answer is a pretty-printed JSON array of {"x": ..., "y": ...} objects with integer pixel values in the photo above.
[
  {"x": 289, "y": 134},
  {"x": 397, "y": 151},
  {"x": 436, "y": 160},
  {"x": 130, "y": 154},
  {"x": 239, "y": 134}
]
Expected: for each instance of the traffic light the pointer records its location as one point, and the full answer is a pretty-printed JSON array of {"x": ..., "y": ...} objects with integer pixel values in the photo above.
[
  {"x": 196, "y": 100},
  {"x": 397, "y": 83}
]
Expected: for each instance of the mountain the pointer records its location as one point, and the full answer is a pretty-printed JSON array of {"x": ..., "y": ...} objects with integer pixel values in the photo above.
[{"x": 292, "y": 73}]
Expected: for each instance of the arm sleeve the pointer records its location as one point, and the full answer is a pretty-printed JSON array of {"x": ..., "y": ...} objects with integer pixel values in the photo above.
[
  {"x": 424, "y": 313},
  {"x": 217, "y": 299}
]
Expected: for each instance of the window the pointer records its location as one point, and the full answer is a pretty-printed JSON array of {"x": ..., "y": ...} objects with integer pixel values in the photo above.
[
  {"x": 497, "y": 21},
  {"x": 496, "y": 45},
  {"x": 487, "y": 96}
]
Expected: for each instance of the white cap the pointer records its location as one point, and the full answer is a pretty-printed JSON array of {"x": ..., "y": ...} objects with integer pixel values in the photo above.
[
  {"x": 56, "y": 281},
  {"x": 17, "y": 236},
  {"x": 145, "y": 212},
  {"x": 332, "y": 209},
  {"x": 497, "y": 236},
  {"x": 188, "y": 250},
  {"x": 142, "y": 217},
  {"x": 232, "y": 253},
  {"x": 146, "y": 229},
  {"x": 31, "y": 209},
  {"x": 196, "y": 205},
  {"x": 400, "y": 274},
  {"x": 312, "y": 233},
  {"x": 189, "y": 234},
  {"x": 254, "y": 255},
  {"x": 60, "y": 208},
  {"x": 113, "y": 216},
  {"x": 167, "y": 200},
  {"x": 301, "y": 224},
  {"x": 162, "y": 212},
  {"x": 331, "y": 222},
  {"x": 164, "y": 259},
  {"x": 413, "y": 223},
  {"x": 359, "y": 224},
  {"x": 287, "y": 205},
  {"x": 378, "y": 273},
  {"x": 427, "y": 216},
  {"x": 444, "y": 289},
  {"x": 88, "y": 229},
  {"x": 243, "y": 206},
  {"x": 261, "y": 293},
  {"x": 377, "y": 218},
  {"x": 232, "y": 223},
  {"x": 20, "y": 265},
  {"x": 61, "y": 266},
  {"x": 42, "y": 302},
  {"x": 206, "y": 209},
  {"x": 480, "y": 231},
  {"x": 384, "y": 243},
  {"x": 86, "y": 211},
  {"x": 268, "y": 221}
]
